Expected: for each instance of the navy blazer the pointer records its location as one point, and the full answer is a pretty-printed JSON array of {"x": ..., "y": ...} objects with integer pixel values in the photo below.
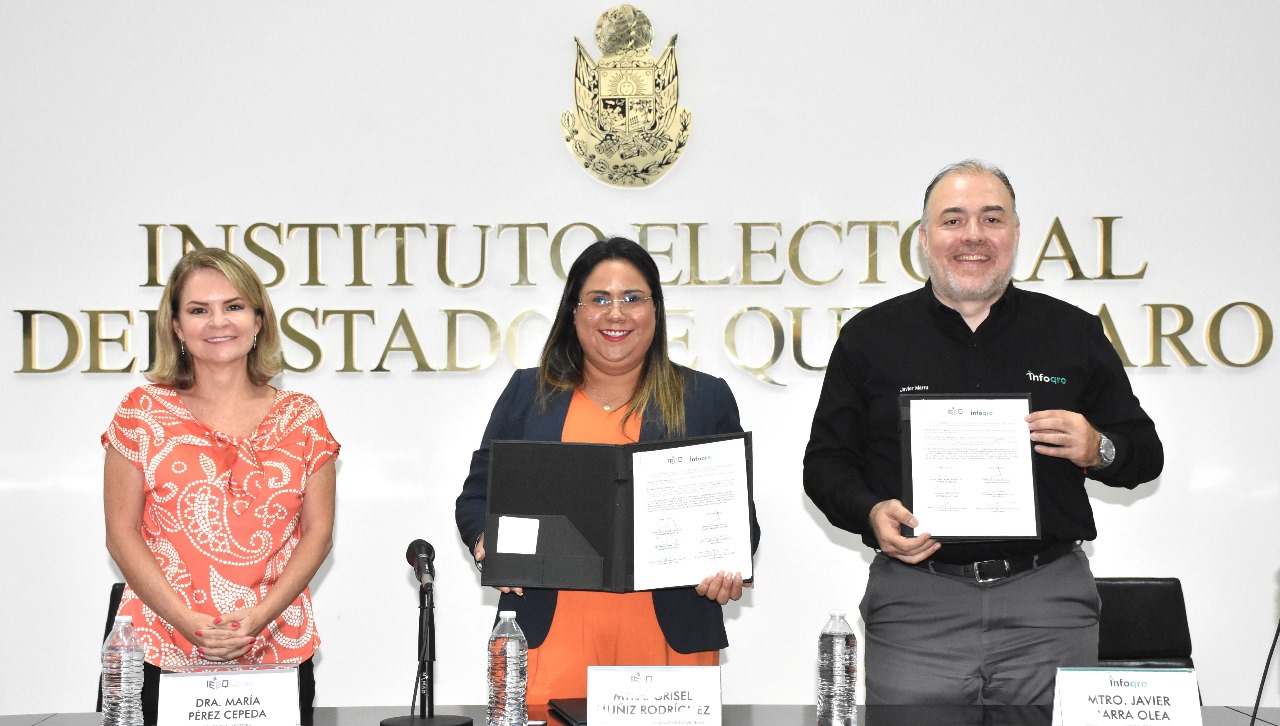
[{"x": 690, "y": 622}]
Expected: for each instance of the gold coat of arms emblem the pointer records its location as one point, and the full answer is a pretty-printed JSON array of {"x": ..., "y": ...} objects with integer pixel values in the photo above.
[{"x": 626, "y": 127}]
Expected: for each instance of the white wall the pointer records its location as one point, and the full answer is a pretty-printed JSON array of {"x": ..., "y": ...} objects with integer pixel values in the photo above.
[{"x": 118, "y": 115}]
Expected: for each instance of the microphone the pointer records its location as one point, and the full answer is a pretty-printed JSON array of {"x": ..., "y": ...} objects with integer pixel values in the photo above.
[{"x": 421, "y": 556}]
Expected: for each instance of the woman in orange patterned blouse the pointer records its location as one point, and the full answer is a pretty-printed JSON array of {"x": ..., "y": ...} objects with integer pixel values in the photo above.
[{"x": 219, "y": 488}]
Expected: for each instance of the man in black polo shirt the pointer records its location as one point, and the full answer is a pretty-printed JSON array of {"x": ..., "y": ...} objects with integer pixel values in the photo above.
[{"x": 983, "y": 622}]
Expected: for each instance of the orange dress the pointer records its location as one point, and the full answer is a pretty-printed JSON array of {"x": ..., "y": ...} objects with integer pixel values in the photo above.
[
  {"x": 599, "y": 628},
  {"x": 222, "y": 514}
]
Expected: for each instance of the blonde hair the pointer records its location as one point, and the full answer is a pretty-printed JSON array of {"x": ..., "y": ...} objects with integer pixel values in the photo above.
[{"x": 174, "y": 368}]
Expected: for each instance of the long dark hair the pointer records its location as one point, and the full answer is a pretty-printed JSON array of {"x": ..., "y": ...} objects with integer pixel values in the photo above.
[{"x": 561, "y": 368}]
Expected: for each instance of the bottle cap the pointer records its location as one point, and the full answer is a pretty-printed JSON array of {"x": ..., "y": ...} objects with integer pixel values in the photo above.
[
  {"x": 127, "y": 619},
  {"x": 837, "y": 613},
  {"x": 508, "y": 614}
]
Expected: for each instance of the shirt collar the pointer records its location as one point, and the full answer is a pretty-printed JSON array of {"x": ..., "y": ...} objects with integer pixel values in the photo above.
[{"x": 1001, "y": 310}]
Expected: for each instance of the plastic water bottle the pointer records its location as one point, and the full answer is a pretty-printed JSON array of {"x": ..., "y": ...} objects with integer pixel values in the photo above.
[
  {"x": 122, "y": 675},
  {"x": 508, "y": 673},
  {"x": 837, "y": 673}
]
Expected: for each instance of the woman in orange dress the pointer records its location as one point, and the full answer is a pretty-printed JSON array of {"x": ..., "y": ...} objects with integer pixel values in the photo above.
[
  {"x": 605, "y": 377},
  {"x": 219, "y": 488}
]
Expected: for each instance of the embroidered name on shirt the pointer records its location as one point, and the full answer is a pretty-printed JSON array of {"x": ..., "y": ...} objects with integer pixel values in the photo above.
[
  {"x": 1042, "y": 378},
  {"x": 908, "y": 389}
]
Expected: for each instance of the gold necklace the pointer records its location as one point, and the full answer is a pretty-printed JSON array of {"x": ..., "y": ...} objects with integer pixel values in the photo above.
[{"x": 607, "y": 406}]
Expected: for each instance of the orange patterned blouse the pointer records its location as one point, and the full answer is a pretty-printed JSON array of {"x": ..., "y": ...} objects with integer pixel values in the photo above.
[{"x": 222, "y": 514}]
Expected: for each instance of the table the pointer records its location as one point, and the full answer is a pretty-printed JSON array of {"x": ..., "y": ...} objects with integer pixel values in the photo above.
[{"x": 734, "y": 715}]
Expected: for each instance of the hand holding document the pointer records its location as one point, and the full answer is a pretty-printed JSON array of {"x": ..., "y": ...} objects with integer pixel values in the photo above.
[{"x": 967, "y": 467}]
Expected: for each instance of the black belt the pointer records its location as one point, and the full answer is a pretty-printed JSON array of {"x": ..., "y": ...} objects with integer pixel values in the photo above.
[{"x": 989, "y": 570}]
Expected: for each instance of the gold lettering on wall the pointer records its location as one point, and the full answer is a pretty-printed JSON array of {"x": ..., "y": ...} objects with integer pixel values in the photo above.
[
  {"x": 1263, "y": 334},
  {"x": 793, "y": 253},
  {"x": 1113, "y": 335},
  {"x": 1104, "y": 253},
  {"x": 557, "y": 243},
  {"x": 471, "y": 338},
  {"x": 873, "y": 245},
  {"x": 404, "y": 327},
  {"x": 358, "y": 232},
  {"x": 676, "y": 334},
  {"x": 311, "y": 232},
  {"x": 512, "y": 338},
  {"x": 749, "y": 251},
  {"x": 31, "y": 340},
  {"x": 645, "y": 240},
  {"x": 402, "y": 247},
  {"x": 761, "y": 372},
  {"x": 97, "y": 340},
  {"x": 1183, "y": 320},
  {"x": 495, "y": 340},
  {"x": 442, "y": 256},
  {"x": 1057, "y": 234},
  {"x": 797, "y": 334},
  {"x": 695, "y": 259},
  {"x": 291, "y": 332},
  {"x": 349, "y": 334},
  {"x": 522, "y": 248},
  {"x": 259, "y": 250},
  {"x": 906, "y": 248}
]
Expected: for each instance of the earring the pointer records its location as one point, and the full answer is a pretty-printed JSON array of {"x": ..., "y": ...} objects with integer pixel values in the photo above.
[
  {"x": 255, "y": 340},
  {"x": 182, "y": 347}
]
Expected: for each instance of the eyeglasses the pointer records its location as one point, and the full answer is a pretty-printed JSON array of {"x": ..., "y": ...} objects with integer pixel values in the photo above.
[{"x": 601, "y": 305}]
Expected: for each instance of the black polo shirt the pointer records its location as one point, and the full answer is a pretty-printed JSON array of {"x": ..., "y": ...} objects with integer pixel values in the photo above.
[{"x": 1029, "y": 343}]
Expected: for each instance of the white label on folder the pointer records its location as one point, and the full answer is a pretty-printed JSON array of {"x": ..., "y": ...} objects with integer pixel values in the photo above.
[
  {"x": 518, "y": 535},
  {"x": 653, "y": 696},
  {"x": 1126, "y": 697},
  {"x": 253, "y": 695}
]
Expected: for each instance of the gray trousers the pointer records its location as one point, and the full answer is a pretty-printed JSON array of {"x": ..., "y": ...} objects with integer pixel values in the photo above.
[{"x": 934, "y": 639}]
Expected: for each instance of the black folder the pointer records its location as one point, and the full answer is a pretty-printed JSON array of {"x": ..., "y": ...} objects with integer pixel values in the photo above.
[
  {"x": 582, "y": 497},
  {"x": 572, "y": 711}
]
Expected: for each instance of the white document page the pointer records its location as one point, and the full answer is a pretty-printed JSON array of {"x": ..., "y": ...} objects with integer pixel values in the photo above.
[
  {"x": 691, "y": 514},
  {"x": 971, "y": 468}
]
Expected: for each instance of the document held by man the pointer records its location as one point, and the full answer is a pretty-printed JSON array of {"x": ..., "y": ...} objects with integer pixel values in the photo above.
[
  {"x": 691, "y": 513},
  {"x": 969, "y": 475}
]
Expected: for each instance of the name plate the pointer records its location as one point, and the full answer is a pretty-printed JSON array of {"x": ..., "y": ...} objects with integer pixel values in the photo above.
[
  {"x": 1126, "y": 697},
  {"x": 653, "y": 696},
  {"x": 241, "y": 695}
]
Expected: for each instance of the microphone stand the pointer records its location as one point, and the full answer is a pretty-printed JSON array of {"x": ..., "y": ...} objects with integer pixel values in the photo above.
[
  {"x": 426, "y": 684},
  {"x": 1265, "y": 667}
]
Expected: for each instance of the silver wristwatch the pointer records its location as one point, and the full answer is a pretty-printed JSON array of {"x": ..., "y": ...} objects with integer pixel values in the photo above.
[{"x": 1106, "y": 452}]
